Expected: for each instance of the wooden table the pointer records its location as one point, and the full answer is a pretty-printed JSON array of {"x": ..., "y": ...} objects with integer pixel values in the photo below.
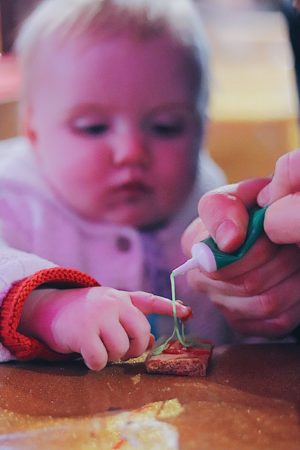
[{"x": 249, "y": 400}]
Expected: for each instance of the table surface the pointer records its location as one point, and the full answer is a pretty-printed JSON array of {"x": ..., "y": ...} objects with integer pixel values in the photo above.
[{"x": 250, "y": 399}]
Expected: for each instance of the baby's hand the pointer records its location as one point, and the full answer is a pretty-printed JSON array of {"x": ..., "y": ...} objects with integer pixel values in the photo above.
[{"x": 102, "y": 324}]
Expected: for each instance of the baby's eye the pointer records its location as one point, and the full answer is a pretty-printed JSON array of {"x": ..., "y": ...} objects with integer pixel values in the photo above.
[
  {"x": 90, "y": 128},
  {"x": 93, "y": 130},
  {"x": 166, "y": 129}
]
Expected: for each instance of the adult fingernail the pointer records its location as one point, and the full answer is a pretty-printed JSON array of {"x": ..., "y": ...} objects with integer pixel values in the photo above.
[{"x": 226, "y": 234}]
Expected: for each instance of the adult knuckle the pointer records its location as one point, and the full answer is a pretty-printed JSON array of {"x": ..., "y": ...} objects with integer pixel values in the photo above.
[
  {"x": 266, "y": 304},
  {"x": 249, "y": 285}
]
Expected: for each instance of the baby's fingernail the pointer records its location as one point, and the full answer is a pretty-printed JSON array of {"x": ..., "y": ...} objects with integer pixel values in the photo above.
[
  {"x": 189, "y": 313},
  {"x": 180, "y": 302},
  {"x": 151, "y": 342},
  {"x": 226, "y": 234},
  {"x": 181, "y": 305},
  {"x": 263, "y": 198},
  {"x": 188, "y": 310}
]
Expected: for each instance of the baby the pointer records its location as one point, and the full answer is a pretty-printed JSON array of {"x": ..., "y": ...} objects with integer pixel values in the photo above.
[{"x": 107, "y": 178}]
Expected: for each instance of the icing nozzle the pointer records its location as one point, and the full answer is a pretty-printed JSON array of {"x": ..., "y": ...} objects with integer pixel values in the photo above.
[
  {"x": 185, "y": 267},
  {"x": 202, "y": 258},
  {"x": 208, "y": 257}
]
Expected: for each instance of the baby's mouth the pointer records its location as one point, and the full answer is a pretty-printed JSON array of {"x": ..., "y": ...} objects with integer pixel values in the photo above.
[{"x": 132, "y": 190}]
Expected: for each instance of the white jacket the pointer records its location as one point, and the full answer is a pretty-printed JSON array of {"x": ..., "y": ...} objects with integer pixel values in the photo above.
[{"x": 38, "y": 232}]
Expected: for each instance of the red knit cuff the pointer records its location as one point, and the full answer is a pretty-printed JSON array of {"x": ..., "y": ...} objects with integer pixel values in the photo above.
[{"x": 24, "y": 347}]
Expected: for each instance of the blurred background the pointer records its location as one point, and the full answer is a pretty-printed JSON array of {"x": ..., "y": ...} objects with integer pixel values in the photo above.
[{"x": 255, "y": 60}]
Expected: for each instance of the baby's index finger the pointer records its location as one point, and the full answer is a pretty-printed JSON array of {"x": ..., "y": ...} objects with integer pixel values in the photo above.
[{"x": 149, "y": 303}]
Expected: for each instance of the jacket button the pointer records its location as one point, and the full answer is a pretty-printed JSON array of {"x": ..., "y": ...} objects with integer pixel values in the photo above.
[{"x": 123, "y": 244}]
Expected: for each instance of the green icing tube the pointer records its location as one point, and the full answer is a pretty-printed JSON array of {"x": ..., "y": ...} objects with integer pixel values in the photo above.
[
  {"x": 207, "y": 256},
  {"x": 255, "y": 229}
]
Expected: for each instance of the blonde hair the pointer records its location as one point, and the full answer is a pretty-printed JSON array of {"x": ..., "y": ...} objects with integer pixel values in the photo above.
[{"x": 69, "y": 18}]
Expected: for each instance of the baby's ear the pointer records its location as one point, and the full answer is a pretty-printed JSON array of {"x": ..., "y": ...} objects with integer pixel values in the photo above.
[{"x": 26, "y": 124}]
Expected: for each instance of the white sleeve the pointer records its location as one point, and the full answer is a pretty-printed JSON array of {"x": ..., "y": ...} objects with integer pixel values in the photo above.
[
  {"x": 15, "y": 233},
  {"x": 16, "y": 265}
]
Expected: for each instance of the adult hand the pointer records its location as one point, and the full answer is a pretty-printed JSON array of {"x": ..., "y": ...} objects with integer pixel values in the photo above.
[
  {"x": 259, "y": 294},
  {"x": 282, "y": 194}
]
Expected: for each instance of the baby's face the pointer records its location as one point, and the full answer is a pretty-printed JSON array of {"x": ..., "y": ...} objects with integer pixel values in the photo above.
[{"x": 114, "y": 126}]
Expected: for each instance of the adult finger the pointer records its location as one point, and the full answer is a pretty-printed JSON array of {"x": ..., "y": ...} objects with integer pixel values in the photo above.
[
  {"x": 276, "y": 327},
  {"x": 276, "y": 270},
  {"x": 280, "y": 219},
  {"x": 149, "y": 303},
  {"x": 224, "y": 212},
  {"x": 257, "y": 256},
  {"x": 250, "y": 273},
  {"x": 194, "y": 233},
  {"x": 267, "y": 305},
  {"x": 286, "y": 179}
]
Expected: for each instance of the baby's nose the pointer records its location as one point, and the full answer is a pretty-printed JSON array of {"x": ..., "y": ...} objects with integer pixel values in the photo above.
[{"x": 130, "y": 147}]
